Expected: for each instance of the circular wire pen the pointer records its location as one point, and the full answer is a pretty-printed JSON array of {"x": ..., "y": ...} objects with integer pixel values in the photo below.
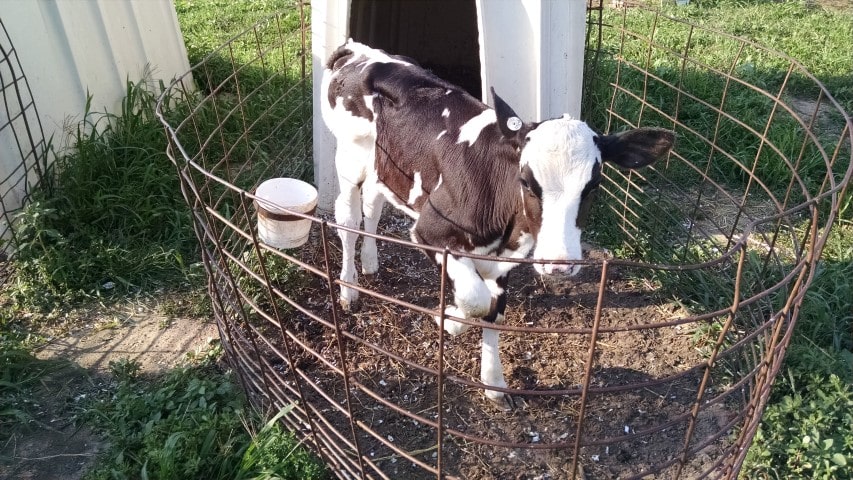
[{"x": 657, "y": 358}]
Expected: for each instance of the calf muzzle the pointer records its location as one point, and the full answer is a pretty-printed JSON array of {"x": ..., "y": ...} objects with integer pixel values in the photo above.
[{"x": 558, "y": 269}]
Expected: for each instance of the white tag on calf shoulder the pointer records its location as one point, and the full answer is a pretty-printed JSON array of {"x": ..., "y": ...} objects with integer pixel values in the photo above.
[{"x": 514, "y": 123}]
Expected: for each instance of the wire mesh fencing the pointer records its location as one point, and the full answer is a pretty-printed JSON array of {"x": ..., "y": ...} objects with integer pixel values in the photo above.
[
  {"x": 23, "y": 149},
  {"x": 657, "y": 359}
]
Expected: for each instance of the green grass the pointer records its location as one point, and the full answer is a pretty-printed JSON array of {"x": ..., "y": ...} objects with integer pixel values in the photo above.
[
  {"x": 191, "y": 423},
  {"x": 113, "y": 221},
  {"x": 806, "y": 433},
  {"x": 806, "y": 429},
  {"x": 749, "y": 112},
  {"x": 20, "y": 373},
  {"x": 284, "y": 277},
  {"x": 209, "y": 26},
  {"x": 815, "y": 36}
]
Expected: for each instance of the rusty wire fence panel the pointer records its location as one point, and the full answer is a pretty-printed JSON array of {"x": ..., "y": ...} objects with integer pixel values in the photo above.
[
  {"x": 23, "y": 148},
  {"x": 729, "y": 229}
]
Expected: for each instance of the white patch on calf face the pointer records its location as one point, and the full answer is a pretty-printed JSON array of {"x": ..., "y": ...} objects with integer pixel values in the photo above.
[
  {"x": 561, "y": 153},
  {"x": 445, "y": 113},
  {"x": 441, "y": 134},
  {"x": 472, "y": 128}
]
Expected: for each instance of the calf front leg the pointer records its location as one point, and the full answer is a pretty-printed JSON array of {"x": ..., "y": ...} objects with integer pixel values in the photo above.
[
  {"x": 372, "y": 204},
  {"x": 491, "y": 368},
  {"x": 471, "y": 294},
  {"x": 348, "y": 214}
]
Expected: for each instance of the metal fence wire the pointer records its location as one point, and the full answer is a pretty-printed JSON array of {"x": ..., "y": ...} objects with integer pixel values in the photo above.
[
  {"x": 657, "y": 359},
  {"x": 23, "y": 149}
]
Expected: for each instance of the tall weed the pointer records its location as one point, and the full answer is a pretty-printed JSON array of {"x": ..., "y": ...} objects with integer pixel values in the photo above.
[{"x": 114, "y": 220}]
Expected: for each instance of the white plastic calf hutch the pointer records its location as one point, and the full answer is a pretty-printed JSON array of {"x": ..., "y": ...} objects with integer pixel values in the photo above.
[{"x": 531, "y": 52}]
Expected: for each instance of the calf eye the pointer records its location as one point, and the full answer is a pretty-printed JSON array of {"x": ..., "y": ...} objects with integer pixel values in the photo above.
[{"x": 525, "y": 184}]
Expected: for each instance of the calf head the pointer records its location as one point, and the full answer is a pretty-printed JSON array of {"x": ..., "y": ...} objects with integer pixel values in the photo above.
[{"x": 559, "y": 171}]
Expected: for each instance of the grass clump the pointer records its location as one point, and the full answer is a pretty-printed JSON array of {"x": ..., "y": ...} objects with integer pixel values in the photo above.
[
  {"x": 824, "y": 334},
  {"x": 803, "y": 30},
  {"x": 20, "y": 373},
  {"x": 806, "y": 434},
  {"x": 285, "y": 278},
  {"x": 110, "y": 218},
  {"x": 191, "y": 423}
]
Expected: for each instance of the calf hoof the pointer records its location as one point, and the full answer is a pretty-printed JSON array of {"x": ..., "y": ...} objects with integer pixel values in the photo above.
[
  {"x": 346, "y": 305},
  {"x": 369, "y": 260},
  {"x": 452, "y": 326},
  {"x": 369, "y": 269},
  {"x": 348, "y": 299},
  {"x": 501, "y": 401}
]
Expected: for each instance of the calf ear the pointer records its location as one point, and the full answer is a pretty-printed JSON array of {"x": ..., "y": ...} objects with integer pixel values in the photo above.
[
  {"x": 510, "y": 124},
  {"x": 635, "y": 148}
]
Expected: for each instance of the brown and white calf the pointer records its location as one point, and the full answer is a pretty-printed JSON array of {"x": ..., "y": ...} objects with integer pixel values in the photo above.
[{"x": 474, "y": 179}]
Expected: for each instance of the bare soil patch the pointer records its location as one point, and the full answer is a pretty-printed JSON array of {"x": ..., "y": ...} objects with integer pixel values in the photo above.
[
  {"x": 626, "y": 432},
  {"x": 135, "y": 331}
]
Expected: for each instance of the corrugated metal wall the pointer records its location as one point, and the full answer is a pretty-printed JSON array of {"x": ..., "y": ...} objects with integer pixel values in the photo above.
[{"x": 71, "y": 48}]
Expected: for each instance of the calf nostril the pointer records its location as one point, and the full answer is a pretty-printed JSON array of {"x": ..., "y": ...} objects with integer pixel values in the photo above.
[
  {"x": 558, "y": 268},
  {"x": 566, "y": 269}
]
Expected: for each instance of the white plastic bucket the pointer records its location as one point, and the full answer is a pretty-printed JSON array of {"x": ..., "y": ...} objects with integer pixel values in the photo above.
[{"x": 277, "y": 227}]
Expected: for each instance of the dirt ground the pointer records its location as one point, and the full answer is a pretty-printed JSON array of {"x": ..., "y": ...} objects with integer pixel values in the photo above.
[
  {"x": 56, "y": 445},
  {"x": 627, "y": 432}
]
